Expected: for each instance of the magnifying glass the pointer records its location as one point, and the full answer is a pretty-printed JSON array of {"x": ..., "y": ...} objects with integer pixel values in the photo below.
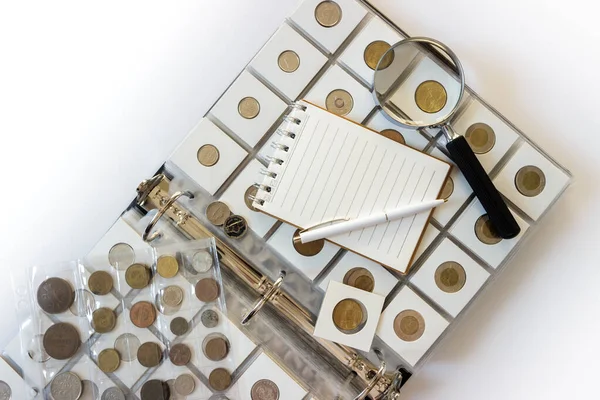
[{"x": 419, "y": 83}]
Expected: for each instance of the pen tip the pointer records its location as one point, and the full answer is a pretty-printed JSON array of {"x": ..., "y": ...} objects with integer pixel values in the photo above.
[{"x": 445, "y": 200}]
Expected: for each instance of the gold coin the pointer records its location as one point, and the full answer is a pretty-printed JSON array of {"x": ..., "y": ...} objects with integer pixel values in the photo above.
[
  {"x": 431, "y": 97},
  {"x": 328, "y": 14},
  {"x": 104, "y": 320},
  {"x": 217, "y": 213},
  {"x": 137, "y": 276},
  {"x": 109, "y": 360},
  {"x": 450, "y": 277},
  {"x": 100, "y": 283},
  {"x": 167, "y": 266},
  {"x": 360, "y": 278},
  {"x": 307, "y": 249},
  {"x": 481, "y": 137},
  {"x": 530, "y": 181},
  {"x": 288, "y": 61},
  {"x": 339, "y": 102},
  {"x": 250, "y": 193},
  {"x": 485, "y": 231},
  {"x": 249, "y": 107},
  {"x": 394, "y": 135},
  {"x": 349, "y": 316},
  {"x": 208, "y": 155},
  {"x": 373, "y": 53},
  {"x": 409, "y": 325},
  {"x": 448, "y": 189}
]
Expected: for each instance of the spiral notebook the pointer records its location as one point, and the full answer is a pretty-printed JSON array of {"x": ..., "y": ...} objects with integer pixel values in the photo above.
[{"x": 326, "y": 168}]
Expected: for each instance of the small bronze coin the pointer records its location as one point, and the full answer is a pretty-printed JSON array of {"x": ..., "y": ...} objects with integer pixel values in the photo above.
[
  {"x": 339, "y": 102},
  {"x": 264, "y": 389},
  {"x": 207, "y": 290},
  {"x": 431, "y": 97},
  {"x": 249, "y": 107},
  {"x": 235, "y": 227},
  {"x": 307, "y": 249},
  {"x": 100, "y": 283},
  {"x": 373, "y": 53},
  {"x": 184, "y": 384},
  {"x": 530, "y": 181},
  {"x": 450, "y": 277},
  {"x": 349, "y": 316},
  {"x": 360, "y": 278},
  {"x": 249, "y": 195},
  {"x": 219, "y": 379},
  {"x": 179, "y": 326},
  {"x": 167, "y": 266},
  {"x": 142, "y": 314},
  {"x": 409, "y": 325},
  {"x": 121, "y": 256},
  {"x": 394, "y": 135},
  {"x": 216, "y": 347},
  {"x": 149, "y": 354},
  {"x": 55, "y": 295},
  {"x": 485, "y": 231},
  {"x": 481, "y": 137},
  {"x": 137, "y": 276},
  {"x": 209, "y": 318},
  {"x": 180, "y": 354},
  {"x": 448, "y": 189},
  {"x": 61, "y": 341},
  {"x": 208, "y": 155},
  {"x": 109, "y": 360},
  {"x": 104, "y": 320},
  {"x": 155, "y": 389},
  {"x": 288, "y": 61},
  {"x": 328, "y": 14},
  {"x": 172, "y": 295},
  {"x": 217, "y": 213}
]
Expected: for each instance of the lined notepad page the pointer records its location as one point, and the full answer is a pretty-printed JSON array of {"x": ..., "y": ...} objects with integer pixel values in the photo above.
[{"x": 336, "y": 169}]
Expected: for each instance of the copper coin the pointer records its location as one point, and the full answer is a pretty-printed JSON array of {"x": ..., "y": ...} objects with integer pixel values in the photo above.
[
  {"x": 431, "y": 97},
  {"x": 219, "y": 379},
  {"x": 207, "y": 290},
  {"x": 216, "y": 347},
  {"x": 121, "y": 256},
  {"x": 55, "y": 295},
  {"x": 235, "y": 227},
  {"x": 374, "y": 52},
  {"x": 264, "y": 389},
  {"x": 184, "y": 384},
  {"x": 137, "y": 276},
  {"x": 179, "y": 326},
  {"x": 172, "y": 295},
  {"x": 100, "y": 283},
  {"x": 249, "y": 195},
  {"x": 394, "y": 135},
  {"x": 180, "y": 354},
  {"x": 142, "y": 314},
  {"x": 485, "y": 231},
  {"x": 109, "y": 360},
  {"x": 208, "y": 155},
  {"x": 409, "y": 325},
  {"x": 149, "y": 354},
  {"x": 61, "y": 341},
  {"x": 349, "y": 316},
  {"x": 339, "y": 102},
  {"x": 307, "y": 249},
  {"x": 448, "y": 189},
  {"x": 288, "y": 61},
  {"x": 249, "y": 107},
  {"x": 530, "y": 181},
  {"x": 104, "y": 320},
  {"x": 328, "y": 14},
  {"x": 167, "y": 266},
  {"x": 155, "y": 389},
  {"x": 217, "y": 213},
  {"x": 481, "y": 137},
  {"x": 360, "y": 278},
  {"x": 450, "y": 277}
]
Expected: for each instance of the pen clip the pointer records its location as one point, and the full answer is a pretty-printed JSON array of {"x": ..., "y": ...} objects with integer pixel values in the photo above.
[{"x": 333, "y": 221}]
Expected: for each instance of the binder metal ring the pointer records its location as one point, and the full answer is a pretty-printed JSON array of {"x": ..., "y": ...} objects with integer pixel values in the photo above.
[
  {"x": 380, "y": 372},
  {"x": 264, "y": 299},
  {"x": 147, "y": 236}
]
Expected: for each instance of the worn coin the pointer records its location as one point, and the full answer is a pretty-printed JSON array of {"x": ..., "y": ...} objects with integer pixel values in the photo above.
[
  {"x": 219, "y": 379},
  {"x": 307, "y": 249},
  {"x": 409, "y": 325},
  {"x": 100, "y": 283},
  {"x": 5, "y": 391},
  {"x": 155, "y": 389},
  {"x": 360, "y": 278},
  {"x": 109, "y": 360},
  {"x": 339, "y": 102},
  {"x": 180, "y": 354},
  {"x": 450, "y": 277},
  {"x": 394, "y": 135},
  {"x": 137, "y": 276},
  {"x": 348, "y": 316},
  {"x": 485, "y": 231},
  {"x": 207, "y": 290},
  {"x": 55, "y": 295},
  {"x": 66, "y": 386},
  {"x": 235, "y": 227},
  {"x": 104, "y": 320},
  {"x": 185, "y": 384},
  {"x": 61, "y": 341},
  {"x": 172, "y": 392},
  {"x": 172, "y": 295},
  {"x": 209, "y": 318},
  {"x": 530, "y": 181},
  {"x": 202, "y": 261},
  {"x": 208, "y": 155},
  {"x": 373, "y": 53},
  {"x": 215, "y": 347},
  {"x": 36, "y": 350},
  {"x": 142, "y": 314},
  {"x": 481, "y": 137},
  {"x": 328, "y": 14},
  {"x": 249, "y": 195},
  {"x": 149, "y": 354},
  {"x": 89, "y": 390},
  {"x": 288, "y": 61},
  {"x": 113, "y": 393},
  {"x": 217, "y": 213},
  {"x": 448, "y": 189},
  {"x": 264, "y": 389},
  {"x": 84, "y": 303},
  {"x": 127, "y": 345},
  {"x": 431, "y": 97},
  {"x": 167, "y": 266},
  {"x": 179, "y": 326},
  {"x": 121, "y": 256},
  {"x": 249, "y": 107}
]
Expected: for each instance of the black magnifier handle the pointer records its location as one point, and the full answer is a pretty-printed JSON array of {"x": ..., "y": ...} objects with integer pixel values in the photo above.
[{"x": 500, "y": 216}]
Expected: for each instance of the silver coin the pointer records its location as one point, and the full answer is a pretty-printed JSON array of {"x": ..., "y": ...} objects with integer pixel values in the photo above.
[
  {"x": 172, "y": 295},
  {"x": 84, "y": 303},
  {"x": 202, "y": 261},
  {"x": 121, "y": 256},
  {"x": 66, "y": 386},
  {"x": 209, "y": 318},
  {"x": 89, "y": 391},
  {"x": 113, "y": 393},
  {"x": 36, "y": 349},
  {"x": 5, "y": 391},
  {"x": 184, "y": 384},
  {"x": 173, "y": 395},
  {"x": 163, "y": 307},
  {"x": 127, "y": 345}
]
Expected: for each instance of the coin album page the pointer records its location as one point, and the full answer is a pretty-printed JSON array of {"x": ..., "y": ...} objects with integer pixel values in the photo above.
[{"x": 323, "y": 53}]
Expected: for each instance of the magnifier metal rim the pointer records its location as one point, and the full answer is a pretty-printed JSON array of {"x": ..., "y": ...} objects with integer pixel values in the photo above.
[{"x": 453, "y": 58}]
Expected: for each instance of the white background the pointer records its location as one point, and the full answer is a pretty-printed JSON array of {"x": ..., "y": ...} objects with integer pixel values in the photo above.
[{"x": 94, "y": 97}]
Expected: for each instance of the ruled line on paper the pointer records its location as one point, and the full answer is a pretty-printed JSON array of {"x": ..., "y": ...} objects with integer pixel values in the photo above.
[
  {"x": 362, "y": 178},
  {"x": 346, "y": 189}
]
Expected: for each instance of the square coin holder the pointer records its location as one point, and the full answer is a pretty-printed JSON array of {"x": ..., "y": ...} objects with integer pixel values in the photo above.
[
  {"x": 289, "y": 79},
  {"x": 423, "y": 327},
  {"x": 252, "y": 127},
  {"x": 331, "y": 37},
  {"x": 536, "y": 201},
  {"x": 371, "y": 305},
  {"x": 230, "y": 155},
  {"x": 379, "y": 122}
]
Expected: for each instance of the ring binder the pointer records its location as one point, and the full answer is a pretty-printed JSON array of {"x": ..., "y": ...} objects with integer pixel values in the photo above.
[
  {"x": 146, "y": 236},
  {"x": 264, "y": 299}
]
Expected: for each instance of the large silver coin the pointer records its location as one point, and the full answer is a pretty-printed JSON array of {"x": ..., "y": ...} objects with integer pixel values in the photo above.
[
  {"x": 184, "y": 385},
  {"x": 127, "y": 345},
  {"x": 66, "y": 386},
  {"x": 202, "y": 261},
  {"x": 5, "y": 391},
  {"x": 113, "y": 393}
]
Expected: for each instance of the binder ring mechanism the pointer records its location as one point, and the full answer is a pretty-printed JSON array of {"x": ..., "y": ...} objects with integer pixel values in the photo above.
[
  {"x": 265, "y": 298},
  {"x": 391, "y": 384},
  {"x": 150, "y": 237}
]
